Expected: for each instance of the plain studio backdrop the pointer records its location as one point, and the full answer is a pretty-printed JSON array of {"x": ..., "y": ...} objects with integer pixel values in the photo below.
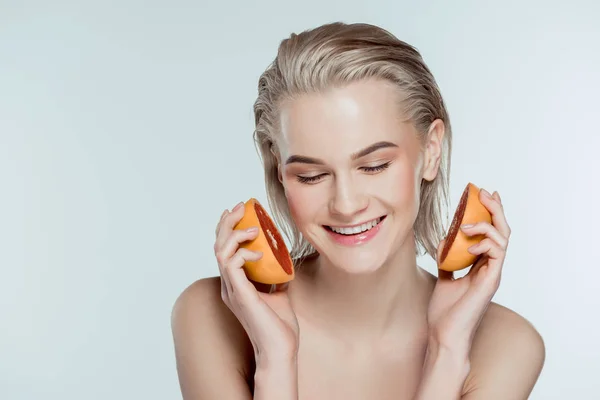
[{"x": 126, "y": 129}]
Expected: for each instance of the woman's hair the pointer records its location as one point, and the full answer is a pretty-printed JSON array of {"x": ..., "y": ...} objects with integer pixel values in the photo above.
[{"x": 333, "y": 55}]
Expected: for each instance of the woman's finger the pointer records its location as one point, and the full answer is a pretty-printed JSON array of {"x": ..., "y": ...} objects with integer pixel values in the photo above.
[
  {"x": 224, "y": 251},
  {"x": 488, "y": 247},
  {"x": 227, "y": 251},
  {"x": 494, "y": 206},
  {"x": 232, "y": 243},
  {"x": 228, "y": 223},
  {"x": 494, "y": 259},
  {"x": 240, "y": 287},
  {"x": 496, "y": 196},
  {"x": 219, "y": 223},
  {"x": 477, "y": 264},
  {"x": 487, "y": 229}
]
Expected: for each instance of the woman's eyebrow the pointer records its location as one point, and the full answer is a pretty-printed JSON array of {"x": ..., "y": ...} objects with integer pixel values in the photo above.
[
  {"x": 372, "y": 148},
  {"x": 366, "y": 151}
]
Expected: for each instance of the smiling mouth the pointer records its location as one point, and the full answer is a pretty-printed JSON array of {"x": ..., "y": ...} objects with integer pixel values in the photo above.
[{"x": 356, "y": 230}]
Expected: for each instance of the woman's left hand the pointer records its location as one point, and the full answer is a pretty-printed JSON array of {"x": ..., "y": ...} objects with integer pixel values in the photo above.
[{"x": 457, "y": 305}]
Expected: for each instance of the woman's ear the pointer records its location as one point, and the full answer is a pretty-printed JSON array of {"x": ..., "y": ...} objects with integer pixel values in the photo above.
[
  {"x": 277, "y": 162},
  {"x": 433, "y": 149},
  {"x": 279, "y": 174}
]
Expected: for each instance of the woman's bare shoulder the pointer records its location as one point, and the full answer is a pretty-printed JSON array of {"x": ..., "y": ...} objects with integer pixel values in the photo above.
[
  {"x": 213, "y": 353},
  {"x": 507, "y": 356}
]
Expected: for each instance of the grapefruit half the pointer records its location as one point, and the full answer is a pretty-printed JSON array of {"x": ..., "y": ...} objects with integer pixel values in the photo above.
[
  {"x": 276, "y": 265},
  {"x": 470, "y": 210}
]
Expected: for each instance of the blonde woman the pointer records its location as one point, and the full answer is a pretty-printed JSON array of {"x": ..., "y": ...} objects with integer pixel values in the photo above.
[{"x": 355, "y": 140}]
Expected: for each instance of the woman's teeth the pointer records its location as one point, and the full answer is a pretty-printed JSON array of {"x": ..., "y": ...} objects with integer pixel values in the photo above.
[{"x": 357, "y": 229}]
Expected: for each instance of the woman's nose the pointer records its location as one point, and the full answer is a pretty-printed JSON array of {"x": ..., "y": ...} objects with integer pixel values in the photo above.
[{"x": 347, "y": 198}]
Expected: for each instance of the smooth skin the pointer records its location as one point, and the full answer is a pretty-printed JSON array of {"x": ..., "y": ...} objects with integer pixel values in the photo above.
[{"x": 358, "y": 322}]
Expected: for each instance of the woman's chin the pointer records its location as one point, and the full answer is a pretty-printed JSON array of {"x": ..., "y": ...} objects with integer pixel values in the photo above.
[{"x": 357, "y": 262}]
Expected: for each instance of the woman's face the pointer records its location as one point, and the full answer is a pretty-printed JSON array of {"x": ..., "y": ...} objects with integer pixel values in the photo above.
[{"x": 351, "y": 171}]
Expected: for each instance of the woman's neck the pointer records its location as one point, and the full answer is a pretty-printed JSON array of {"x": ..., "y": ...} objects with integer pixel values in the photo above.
[{"x": 363, "y": 307}]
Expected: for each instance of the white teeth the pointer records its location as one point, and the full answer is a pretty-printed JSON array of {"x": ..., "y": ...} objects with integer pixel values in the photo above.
[{"x": 357, "y": 229}]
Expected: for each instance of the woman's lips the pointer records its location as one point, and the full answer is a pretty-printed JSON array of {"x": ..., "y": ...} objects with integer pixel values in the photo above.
[{"x": 355, "y": 239}]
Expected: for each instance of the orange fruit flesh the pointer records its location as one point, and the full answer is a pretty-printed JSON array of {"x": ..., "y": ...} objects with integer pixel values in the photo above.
[
  {"x": 276, "y": 265},
  {"x": 470, "y": 210}
]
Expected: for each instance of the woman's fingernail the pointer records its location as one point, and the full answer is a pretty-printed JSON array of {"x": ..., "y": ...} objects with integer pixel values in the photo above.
[
  {"x": 252, "y": 229},
  {"x": 486, "y": 193},
  {"x": 499, "y": 198},
  {"x": 466, "y": 226},
  {"x": 237, "y": 206}
]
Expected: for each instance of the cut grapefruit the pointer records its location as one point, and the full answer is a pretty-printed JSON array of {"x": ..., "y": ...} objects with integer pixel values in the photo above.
[
  {"x": 276, "y": 265},
  {"x": 470, "y": 210}
]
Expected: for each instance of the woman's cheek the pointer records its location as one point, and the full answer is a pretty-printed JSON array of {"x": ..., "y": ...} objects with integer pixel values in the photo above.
[
  {"x": 300, "y": 201},
  {"x": 401, "y": 189}
]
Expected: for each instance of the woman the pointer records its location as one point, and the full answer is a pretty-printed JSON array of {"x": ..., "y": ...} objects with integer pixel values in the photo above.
[{"x": 353, "y": 133}]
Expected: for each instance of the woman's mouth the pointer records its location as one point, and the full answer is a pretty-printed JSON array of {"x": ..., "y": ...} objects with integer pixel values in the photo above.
[
  {"x": 357, "y": 228},
  {"x": 357, "y": 234}
]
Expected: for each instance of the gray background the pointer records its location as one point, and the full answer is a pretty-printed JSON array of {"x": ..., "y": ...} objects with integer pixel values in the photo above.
[{"x": 125, "y": 130}]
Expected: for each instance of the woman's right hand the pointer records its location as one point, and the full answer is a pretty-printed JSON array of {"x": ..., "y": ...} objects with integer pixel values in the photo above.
[{"x": 268, "y": 318}]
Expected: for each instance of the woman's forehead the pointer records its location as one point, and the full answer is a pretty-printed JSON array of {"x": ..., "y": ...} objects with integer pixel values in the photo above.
[{"x": 343, "y": 120}]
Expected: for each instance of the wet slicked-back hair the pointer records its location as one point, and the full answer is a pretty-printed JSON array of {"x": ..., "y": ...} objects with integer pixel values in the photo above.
[{"x": 333, "y": 55}]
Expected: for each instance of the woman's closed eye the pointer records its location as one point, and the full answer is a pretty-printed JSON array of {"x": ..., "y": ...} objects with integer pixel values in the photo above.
[
  {"x": 377, "y": 168},
  {"x": 309, "y": 179},
  {"x": 317, "y": 178}
]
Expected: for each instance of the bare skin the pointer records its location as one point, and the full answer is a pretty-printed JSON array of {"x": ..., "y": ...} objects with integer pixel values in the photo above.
[
  {"x": 363, "y": 321},
  {"x": 215, "y": 358}
]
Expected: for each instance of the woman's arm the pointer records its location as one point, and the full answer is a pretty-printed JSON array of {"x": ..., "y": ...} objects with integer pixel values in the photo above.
[
  {"x": 277, "y": 380},
  {"x": 214, "y": 355},
  {"x": 463, "y": 353},
  {"x": 444, "y": 373},
  {"x": 220, "y": 324},
  {"x": 211, "y": 351},
  {"x": 505, "y": 362}
]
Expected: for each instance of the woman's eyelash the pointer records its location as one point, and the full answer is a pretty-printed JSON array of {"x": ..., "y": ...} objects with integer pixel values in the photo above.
[
  {"x": 376, "y": 168},
  {"x": 309, "y": 179},
  {"x": 313, "y": 179}
]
